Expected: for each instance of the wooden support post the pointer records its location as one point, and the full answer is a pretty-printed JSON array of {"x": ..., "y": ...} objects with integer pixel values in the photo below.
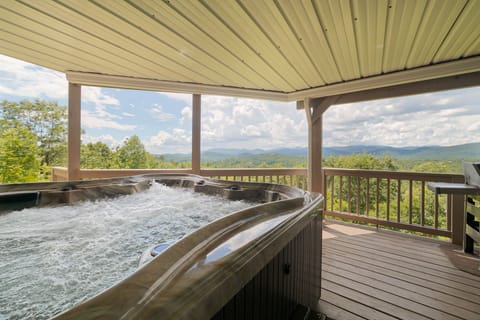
[
  {"x": 196, "y": 132},
  {"x": 74, "y": 130},
  {"x": 457, "y": 218},
  {"x": 314, "y": 109}
]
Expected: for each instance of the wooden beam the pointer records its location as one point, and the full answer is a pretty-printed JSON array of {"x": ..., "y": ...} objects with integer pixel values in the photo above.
[
  {"x": 115, "y": 81},
  {"x": 434, "y": 85},
  {"x": 443, "y": 76},
  {"x": 74, "y": 130},
  {"x": 196, "y": 132},
  {"x": 431, "y": 72},
  {"x": 449, "y": 83},
  {"x": 401, "y": 83}
]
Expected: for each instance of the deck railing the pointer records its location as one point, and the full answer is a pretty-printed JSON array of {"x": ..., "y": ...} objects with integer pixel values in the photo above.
[
  {"x": 295, "y": 177},
  {"x": 399, "y": 200}
]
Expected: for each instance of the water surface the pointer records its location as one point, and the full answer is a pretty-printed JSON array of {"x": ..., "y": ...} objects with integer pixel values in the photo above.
[{"x": 55, "y": 258}]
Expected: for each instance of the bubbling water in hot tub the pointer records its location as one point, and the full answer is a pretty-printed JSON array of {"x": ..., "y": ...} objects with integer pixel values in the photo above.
[{"x": 54, "y": 258}]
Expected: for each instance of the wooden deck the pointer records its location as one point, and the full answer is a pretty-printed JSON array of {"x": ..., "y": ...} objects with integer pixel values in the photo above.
[{"x": 370, "y": 274}]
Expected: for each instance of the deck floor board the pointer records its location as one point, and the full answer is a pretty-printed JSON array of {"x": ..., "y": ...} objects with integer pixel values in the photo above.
[{"x": 371, "y": 274}]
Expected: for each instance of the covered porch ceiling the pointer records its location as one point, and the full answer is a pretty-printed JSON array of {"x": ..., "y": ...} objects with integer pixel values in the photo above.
[{"x": 282, "y": 50}]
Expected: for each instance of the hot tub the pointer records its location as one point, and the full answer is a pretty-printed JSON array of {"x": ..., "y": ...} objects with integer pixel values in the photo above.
[{"x": 260, "y": 262}]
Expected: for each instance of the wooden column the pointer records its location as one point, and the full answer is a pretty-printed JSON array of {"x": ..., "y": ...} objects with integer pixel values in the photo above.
[
  {"x": 196, "y": 132},
  {"x": 314, "y": 109},
  {"x": 74, "y": 130}
]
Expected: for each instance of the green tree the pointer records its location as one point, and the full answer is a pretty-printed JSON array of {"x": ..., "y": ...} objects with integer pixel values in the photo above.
[
  {"x": 18, "y": 155},
  {"x": 132, "y": 155},
  {"x": 353, "y": 193},
  {"x": 46, "y": 120},
  {"x": 97, "y": 156},
  {"x": 364, "y": 161}
]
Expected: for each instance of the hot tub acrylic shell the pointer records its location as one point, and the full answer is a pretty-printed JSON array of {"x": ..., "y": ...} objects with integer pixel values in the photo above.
[{"x": 202, "y": 272}]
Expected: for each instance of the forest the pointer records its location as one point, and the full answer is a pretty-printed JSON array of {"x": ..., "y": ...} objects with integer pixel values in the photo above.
[{"x": 33, "y": 138}]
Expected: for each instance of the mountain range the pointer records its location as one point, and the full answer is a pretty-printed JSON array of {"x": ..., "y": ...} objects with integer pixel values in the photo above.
[{"x": 470, "y": 151}]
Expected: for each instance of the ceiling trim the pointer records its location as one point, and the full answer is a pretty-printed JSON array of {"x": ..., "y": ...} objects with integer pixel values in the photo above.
[
  {"x": 412, "y": 88},
  {"x": 458, "y": 67},
  {"x": 111, "y": 81},
  {"x": 398, "y": 79}
]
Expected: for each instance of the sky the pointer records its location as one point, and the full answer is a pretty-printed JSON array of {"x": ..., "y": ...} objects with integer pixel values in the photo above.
[{"x": 163, "y": 120}]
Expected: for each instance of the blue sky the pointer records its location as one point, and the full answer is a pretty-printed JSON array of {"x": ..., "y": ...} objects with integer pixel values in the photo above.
[{"x": 163, "y": 120}]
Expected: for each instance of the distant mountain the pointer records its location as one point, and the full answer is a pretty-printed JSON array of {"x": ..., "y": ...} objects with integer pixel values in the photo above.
[{"x": 470, "y": 151}]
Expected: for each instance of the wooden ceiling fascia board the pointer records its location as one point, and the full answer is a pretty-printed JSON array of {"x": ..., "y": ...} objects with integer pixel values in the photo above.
[
  {"x": 427, "y": 79},
  {"x": 278, "y": 28},
  {"x": 236, "y": 18},
  {"x": 460, "y": 41},
  {"x": 107, "y": 49},
  {"x": 439, "y": 17},
  {"x": 91, "y": 79},
  {"x": 392, "y": 79},
  {"x": 413, "y": 88},
  {"x": 243, "y": 57},
  {"x": 168, "y": 15},
  {"x": 93, "y": 18},
  {"x": 421, "y": 87}
]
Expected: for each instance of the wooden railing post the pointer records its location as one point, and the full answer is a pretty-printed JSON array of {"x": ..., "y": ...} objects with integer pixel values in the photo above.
[
  {"x": 196, "y": 132},
  {"x": 74, "y": 130},
  {"x": 457, "y": 218}
]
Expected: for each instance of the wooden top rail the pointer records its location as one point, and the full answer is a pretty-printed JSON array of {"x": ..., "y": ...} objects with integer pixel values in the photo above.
[
  {"x": 416, "y": 176},
  {"x": 109, "y": 173},
  {"x": 253, "y": 171}
]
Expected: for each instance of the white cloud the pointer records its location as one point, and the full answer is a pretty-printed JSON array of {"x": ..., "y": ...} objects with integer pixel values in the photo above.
[
  {"x": 108, "y": 139},
  {"x": 159, "y": 114},
  {"x": 97, "y": 96},
  {"x": 444, "y": 118},
  {"x": 178, "y": 96},
  {"x": 247, "y": 123},
  {"x": 23, "y": 79},
  {"x": 178, "y": 141},
  {"x": 101, "y": 117},
  {"x": 186, "y": 117},
  {"x": 92, "y": 120}
]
